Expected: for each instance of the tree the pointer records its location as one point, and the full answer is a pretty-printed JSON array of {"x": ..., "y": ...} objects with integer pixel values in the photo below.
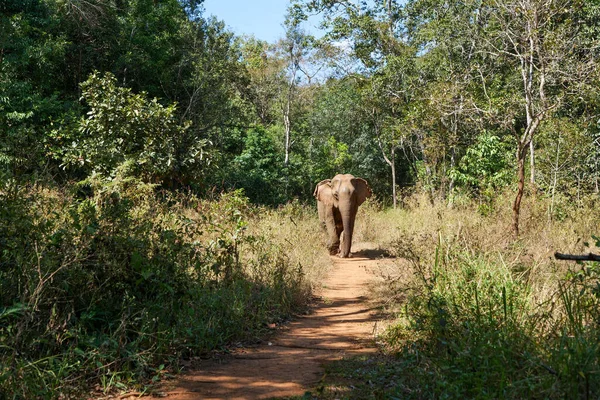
[
  {"x": 163, "y": 48},
  {"x": 374, "y": 32},
  {"x": 448, "y": 87},
  {"x": 294, "y": 49},
  {"x": 342, "y": 136},
  {"x": 567, "y": 160},
  {"x": 215, "y": 81},
  {"x": 126, "y": 131},
  {"x": 32, "y": 50},
  {"x": 539, "y": 39},
  {"x": 266, "y": 76},
  {"x": 257, "y": 169}
]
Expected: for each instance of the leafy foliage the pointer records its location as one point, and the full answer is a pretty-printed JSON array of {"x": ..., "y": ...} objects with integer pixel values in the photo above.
[
  {"x": 258, "y": 169},
  {"x": 126, "y": 130},
  {"x": 85, "y": 283},
  {"x": 485, "y": 165}
]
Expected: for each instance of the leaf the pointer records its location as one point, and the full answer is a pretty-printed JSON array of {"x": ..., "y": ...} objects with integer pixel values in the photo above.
[
  {"x": 136, "y": 261},
  {"x": 18, "y": 308}
]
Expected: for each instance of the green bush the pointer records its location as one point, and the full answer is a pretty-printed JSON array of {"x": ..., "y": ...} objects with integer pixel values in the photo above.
[
  {"x": 258, "y": 169},
  {"x": 485, "y": 168},
  {"x": 106, "y": 281},
  {"x": 128, "y": 133},
  {"x": 471, "y": 328}
]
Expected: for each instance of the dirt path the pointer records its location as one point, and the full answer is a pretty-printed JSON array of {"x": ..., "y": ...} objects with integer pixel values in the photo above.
[{"x": 341, "y": 325}]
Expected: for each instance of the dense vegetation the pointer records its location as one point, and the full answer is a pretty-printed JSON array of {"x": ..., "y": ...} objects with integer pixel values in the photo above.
[
  {"x": 143, "y": 149},
  {"x": 475, "y": 313}
]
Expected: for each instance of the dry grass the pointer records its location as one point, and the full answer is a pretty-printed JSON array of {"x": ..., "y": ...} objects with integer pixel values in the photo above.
[
  {"x": 532, "y": 252},
  {"x": 474, "y": 311},
  {"x": 295, "y": 229},
  {"x": 464, "y": 291}
]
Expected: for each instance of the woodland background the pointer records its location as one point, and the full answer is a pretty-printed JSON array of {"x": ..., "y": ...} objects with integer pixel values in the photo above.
[{"x": 146, "y": 151}]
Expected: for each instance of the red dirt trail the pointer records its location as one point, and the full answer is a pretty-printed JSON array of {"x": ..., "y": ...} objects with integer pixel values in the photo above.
[{"x": 341, "y": 325}]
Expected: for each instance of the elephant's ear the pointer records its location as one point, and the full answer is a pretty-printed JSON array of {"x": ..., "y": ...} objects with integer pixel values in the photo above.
[
  {"x": 318, "y": 192},
  {"x": 362, "y": 190}
]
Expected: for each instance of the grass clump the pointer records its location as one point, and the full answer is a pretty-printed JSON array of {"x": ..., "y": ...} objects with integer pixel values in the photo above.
[
  {"x": 295, "y": 229},
  {"x": 104, "y": 283},
  {"x": 468, "y": 317},
  {"x": 478, "y": 313}
]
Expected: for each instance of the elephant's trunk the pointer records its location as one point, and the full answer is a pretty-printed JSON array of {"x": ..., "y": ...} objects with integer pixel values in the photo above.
[{"x": 348, "y": 215}]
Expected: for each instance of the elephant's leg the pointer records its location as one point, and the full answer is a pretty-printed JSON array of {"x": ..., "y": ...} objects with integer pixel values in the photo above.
[
  {"x": 339, "y": 227},
  {"x": 322, "y": 209},
  {"x": 331, "y": 221}
]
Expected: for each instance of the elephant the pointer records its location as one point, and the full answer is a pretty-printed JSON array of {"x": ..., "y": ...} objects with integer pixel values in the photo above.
[{"x": 337, "y": 203}]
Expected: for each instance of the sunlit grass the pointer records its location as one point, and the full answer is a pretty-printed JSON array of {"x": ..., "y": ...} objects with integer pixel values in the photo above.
[
  {"x": 478, "y": 313},
  {"x": 295, "y": 229}
]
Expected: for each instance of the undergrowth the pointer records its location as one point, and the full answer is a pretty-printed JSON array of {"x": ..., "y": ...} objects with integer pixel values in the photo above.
[
  {"x": 478, "y": 313},
  {"x": 107, "y": 282}
]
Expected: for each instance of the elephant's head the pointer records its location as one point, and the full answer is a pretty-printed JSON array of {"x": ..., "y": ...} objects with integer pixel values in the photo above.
[{"x": 348, "y": 189}]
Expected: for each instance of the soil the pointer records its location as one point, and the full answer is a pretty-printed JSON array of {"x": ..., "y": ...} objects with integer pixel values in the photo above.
[{"x": 342, "y": 324}]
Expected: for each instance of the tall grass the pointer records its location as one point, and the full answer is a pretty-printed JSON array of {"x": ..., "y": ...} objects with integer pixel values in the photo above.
[
  {"x": 481, "y": 314},
  {"x": 104, "y": 283},
  {"x": 294, "y": 228}
]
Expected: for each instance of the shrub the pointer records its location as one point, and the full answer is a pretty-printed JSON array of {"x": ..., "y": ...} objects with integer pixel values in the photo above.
[
  {"x": 128, "y": 133},
  {"x": 106, "y": 281},
  {"x": 482, "y": 316}
]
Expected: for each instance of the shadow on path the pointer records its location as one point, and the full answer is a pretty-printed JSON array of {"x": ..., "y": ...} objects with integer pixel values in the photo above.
[{"x": 341, "y": 326}]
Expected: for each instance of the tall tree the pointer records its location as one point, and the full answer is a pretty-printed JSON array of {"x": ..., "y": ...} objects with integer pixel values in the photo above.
[
  {"x": 266, "y": 77},
  {"x": 449, "y": 84},
  {"x": 539, "y": 40},
  {"x": 294, "y": 49},
  {"x": 375, "y": 34}
]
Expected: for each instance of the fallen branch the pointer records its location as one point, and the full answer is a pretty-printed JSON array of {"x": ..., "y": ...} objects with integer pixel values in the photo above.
[{"x": 577, "y": 257}]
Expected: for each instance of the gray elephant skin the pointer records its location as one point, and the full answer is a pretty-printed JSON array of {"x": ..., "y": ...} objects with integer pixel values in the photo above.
[{"x": 338, "y": 200}]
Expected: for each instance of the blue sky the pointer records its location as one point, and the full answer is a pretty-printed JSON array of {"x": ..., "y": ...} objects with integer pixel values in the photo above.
[{"x": 262, "y": 18}]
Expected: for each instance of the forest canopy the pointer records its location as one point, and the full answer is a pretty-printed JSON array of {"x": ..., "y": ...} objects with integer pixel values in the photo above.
[{"x": 404, "y": 94}]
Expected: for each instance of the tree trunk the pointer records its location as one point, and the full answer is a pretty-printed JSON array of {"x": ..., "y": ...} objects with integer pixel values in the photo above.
[
  {"x": 288, "y": 129},
  {"x": 428, "y": 173},
  {"x": 554, "y": 180},
  {"x": 393, "y": 165},
  {"x": 452, "y": 183},
  {"x": 532, "y": 162},
  {"x": 443, "y": 174},
  {"x": 596, "y": 186},
  {"x": 288, "y": 106},
  {"x": 578, "y": 189},
  {"x": 520, "y": 188}
]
